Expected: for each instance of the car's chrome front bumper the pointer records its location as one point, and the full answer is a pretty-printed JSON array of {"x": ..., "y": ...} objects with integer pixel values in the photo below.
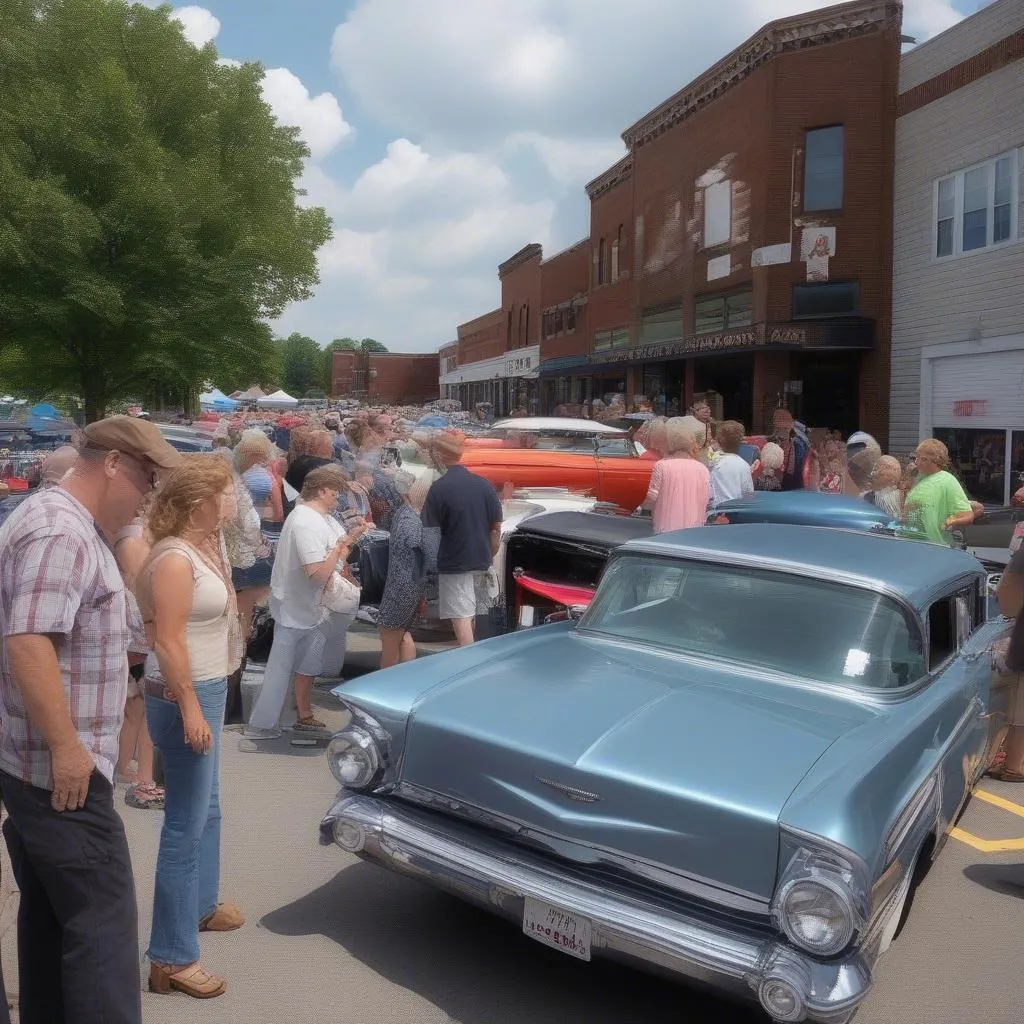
[{"x": 451, "y": 856}]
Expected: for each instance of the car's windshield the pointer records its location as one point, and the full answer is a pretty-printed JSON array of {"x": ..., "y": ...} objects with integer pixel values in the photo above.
[
  {"x": 785, "y": 623},
  {"x": 554, "y": 440}
]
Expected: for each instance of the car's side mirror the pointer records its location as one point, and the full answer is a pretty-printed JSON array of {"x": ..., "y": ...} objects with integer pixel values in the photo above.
[{"x": 576, "y": 611}]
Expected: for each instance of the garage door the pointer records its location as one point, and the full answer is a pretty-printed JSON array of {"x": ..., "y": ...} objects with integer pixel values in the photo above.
[{"x": 984, "y": 389}]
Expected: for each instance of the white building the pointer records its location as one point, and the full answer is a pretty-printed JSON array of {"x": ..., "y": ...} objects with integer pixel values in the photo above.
[{"x": 958, "y": 285}]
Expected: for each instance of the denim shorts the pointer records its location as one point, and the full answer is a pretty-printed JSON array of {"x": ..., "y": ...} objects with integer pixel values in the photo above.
[{"x": 257, "y": 575}]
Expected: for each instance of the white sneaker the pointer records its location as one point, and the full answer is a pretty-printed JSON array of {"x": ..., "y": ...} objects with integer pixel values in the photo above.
[{"x": 252, "y": 733}]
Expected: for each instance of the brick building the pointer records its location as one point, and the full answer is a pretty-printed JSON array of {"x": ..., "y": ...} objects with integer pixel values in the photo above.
[
  {"x": 742, "y": 247},
  {"x": 385, "y": 378}
]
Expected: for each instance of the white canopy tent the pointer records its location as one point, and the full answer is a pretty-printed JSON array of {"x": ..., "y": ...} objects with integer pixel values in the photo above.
[{"x": 277, "y": 400}]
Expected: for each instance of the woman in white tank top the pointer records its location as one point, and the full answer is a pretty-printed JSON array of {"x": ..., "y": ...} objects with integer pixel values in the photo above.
[{"x": 188, "y": 606}]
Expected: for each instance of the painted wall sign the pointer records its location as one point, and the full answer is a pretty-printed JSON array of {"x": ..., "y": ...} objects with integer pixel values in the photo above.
[
  {"x": 817, "y": 243},
  {"x": 771, "y": 255},
  {"x": 970, "y": 407},
  {"x": 516, "y": 366}
]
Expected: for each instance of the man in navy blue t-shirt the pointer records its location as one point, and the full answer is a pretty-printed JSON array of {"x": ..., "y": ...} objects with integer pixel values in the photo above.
[{"x": 465, "y": 509}]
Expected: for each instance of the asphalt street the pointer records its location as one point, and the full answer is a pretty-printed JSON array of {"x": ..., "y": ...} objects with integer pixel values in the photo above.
[{"x": 330, "y": 938}]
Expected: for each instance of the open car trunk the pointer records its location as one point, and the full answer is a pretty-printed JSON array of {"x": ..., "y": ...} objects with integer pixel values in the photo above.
[{"x": 556, "y": 560}]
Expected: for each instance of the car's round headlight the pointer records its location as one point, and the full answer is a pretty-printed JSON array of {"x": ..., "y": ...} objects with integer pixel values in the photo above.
[
  {"x": 781, "y": 1000},
  {"x": 354, "y": 758},
  {"x": 817, "y": 916}
]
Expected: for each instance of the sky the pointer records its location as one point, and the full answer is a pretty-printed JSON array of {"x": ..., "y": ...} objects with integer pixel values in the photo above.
[{"x": 447, "y": 134}]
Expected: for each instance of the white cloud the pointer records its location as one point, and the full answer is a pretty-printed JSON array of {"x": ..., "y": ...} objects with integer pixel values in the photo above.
[
  {"x": 569, "y": 161},
  {"x": 199, "y": 25},
  {"x": 319, "y": 118},
  {"x": 466, "y": 73}
]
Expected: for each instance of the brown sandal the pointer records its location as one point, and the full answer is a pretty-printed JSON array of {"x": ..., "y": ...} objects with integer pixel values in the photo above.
[
  {"x": 225, "y": 918},
  {"x": 190, "y": 979}
]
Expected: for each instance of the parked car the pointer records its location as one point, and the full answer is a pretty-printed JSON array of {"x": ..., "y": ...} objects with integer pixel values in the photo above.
[
  {"x": 730, "y": 768},
  {"x": 554, "y": 562},
  {"x": 988, "y": 537},
  {"x": 592, "y": 458}
]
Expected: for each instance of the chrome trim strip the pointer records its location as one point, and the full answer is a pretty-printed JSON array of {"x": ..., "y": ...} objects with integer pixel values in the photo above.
[
  {"x": 672, "y": 879},
  {"x": 572, "y": 792},
  {"x": 623, "y": 927}
]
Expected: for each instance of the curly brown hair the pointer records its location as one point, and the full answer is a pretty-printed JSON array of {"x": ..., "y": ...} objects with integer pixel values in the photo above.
[
  {"x": 299, "y": 443},
  {"x": 198, "y": 479}
]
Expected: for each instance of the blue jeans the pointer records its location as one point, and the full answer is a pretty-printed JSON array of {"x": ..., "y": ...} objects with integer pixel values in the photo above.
[{"x": 188, "y": 864}]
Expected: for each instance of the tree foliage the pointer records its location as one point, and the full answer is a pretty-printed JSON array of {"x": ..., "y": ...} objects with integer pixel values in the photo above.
[
  {"x": 150, "y": 224},
  {"x": 301, "y": 364},
  {"x": 370, "y": 345}
]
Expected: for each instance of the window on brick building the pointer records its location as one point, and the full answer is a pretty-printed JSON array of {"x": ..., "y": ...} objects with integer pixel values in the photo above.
[
  {"x": 600, "y": 261},
  {"x": 526, "y": 333},
  {"x": 664, "y": 324},
  {"x": 977, "y": 208},
  {"x": 605, "y": 340},
  {"x": 717, "y": 213},
  {"x": 832, "y": 298},
  {"x": 723, "y": 312},
  {"x": 616, "y": 254},
  {"x": 519, "y": 332},
  {"x": 570, "y": 318},
  {"x": 823, "y": 169},
  {"x": 508, "y": 335}
]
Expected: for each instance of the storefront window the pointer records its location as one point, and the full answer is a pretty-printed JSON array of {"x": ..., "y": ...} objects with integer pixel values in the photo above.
[
  {"x": 605, "y": 340},
  {"x": 978, "y": 458},
  {"x": 723, "y": 312},
  {"x": 661, "y": 325},
  {"x": 1016, "y": 462}
]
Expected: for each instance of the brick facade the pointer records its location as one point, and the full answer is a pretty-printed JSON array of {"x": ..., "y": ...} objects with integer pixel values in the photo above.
[
  {"x": 520, "y": 297},
  {"x": 735, "y": 140},
  {"x": 482, "y": 338},
  {"x": 386, "y": 378},
  {"x": 564, "y": 280}
]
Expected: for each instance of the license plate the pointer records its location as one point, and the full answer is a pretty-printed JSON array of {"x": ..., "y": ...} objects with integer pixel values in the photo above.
[{"x": 557, "y": 928}]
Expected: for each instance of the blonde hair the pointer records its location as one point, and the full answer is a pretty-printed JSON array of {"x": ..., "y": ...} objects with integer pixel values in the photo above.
[
  {"x": 253, "y": 448},
  {"x": 317, "y": 479},
  {"x": 321, "y": 444},
  {"x": 679, "y": 436},
  {"x": 299, "y": 439},
  {"x": 198, "y": 479},
  {"x": 932, "y": 448}
]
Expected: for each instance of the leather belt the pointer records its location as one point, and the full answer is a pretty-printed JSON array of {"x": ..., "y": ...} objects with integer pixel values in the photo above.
[{"x": 154, "y": 688}]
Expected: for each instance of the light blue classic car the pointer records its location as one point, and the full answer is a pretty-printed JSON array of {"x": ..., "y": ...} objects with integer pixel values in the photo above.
[{"x": 727, "y": 769}]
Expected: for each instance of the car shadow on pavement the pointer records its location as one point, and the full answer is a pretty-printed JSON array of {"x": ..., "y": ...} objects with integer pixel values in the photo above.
[
  {"x": 1005, "y": 879},
  {"x": 479, "y": 969}
]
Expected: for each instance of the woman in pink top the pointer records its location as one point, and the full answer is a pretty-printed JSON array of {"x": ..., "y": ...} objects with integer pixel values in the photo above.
[{"x": 680, "y": 487}]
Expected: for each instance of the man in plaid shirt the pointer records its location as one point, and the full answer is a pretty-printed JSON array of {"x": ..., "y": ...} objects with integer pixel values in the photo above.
[{"x": 63, "y": 685}]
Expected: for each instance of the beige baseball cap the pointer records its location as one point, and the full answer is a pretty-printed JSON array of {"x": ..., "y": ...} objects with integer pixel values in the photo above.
[{"x": 132, "y": 436}]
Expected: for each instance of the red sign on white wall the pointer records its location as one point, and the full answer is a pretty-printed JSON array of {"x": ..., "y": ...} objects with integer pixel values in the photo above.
[{"x": 970, "y": 407}]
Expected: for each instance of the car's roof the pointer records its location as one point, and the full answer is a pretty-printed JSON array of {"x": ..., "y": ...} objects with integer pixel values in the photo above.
[
  {"x": 804, "y": 504},
  {"x": 912, "y": 569},
  {"x": 592, "y": 528},
  {"x": 565, "y": 423}
]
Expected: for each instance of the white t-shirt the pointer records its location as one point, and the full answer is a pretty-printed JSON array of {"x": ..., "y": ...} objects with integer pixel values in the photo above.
[
  {"x": 730, "y": 478},
  {"x": 306, "y": 539}
]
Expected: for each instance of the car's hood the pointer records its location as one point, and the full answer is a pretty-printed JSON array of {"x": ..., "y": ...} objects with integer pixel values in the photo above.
[{"x": 689, "y": 763}]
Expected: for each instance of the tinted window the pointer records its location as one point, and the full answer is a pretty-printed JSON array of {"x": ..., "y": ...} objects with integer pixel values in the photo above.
[
  {"x": 836, "y": 298},
  {"x": 823, "y": 169},
  {"x": 832, "y": 633}
]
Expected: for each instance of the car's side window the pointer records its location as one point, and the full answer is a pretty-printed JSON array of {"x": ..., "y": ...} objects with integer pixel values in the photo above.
[
  {"x": 614, "y": 447},
  {"x": 941, "y": 634},
  {"x": 951, "y": 620}
]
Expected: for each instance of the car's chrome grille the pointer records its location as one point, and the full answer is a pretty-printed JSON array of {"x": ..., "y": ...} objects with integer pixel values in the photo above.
[{"x": 670, "y": 895}]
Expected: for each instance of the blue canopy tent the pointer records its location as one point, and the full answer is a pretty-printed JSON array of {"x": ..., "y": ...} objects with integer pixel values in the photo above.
[
  {"x": 45, "y": 419},
  {"x": 217, "y": 401}
]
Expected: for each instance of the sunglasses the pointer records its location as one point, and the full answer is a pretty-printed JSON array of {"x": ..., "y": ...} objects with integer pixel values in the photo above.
[{"x": 147, "y": 472}]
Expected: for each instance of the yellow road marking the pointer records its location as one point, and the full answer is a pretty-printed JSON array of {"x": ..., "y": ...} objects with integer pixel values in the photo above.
[
  {"x": 998, "y": 801},
  {"x": 987, "y": 845}
]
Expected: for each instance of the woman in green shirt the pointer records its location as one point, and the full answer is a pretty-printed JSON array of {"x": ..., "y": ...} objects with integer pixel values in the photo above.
[{"x": 937, "y": 503}]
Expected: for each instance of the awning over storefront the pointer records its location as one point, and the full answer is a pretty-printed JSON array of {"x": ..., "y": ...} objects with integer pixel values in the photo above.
[
  {"x": 795, "y": 336},
  {"x": 563, "y": 364}
]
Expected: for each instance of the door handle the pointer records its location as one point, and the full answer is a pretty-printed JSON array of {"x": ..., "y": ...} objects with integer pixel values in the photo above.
[{"x": 991, "y": 714}]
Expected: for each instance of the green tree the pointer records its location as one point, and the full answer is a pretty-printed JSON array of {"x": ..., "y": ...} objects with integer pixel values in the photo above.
[
  {"x": 370, "y": 345},
  {"x": 150, "y": 224},
  {"x": 301, "y": 364}
]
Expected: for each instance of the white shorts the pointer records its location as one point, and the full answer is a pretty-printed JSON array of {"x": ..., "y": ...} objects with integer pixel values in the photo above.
[{"x": 463, "y": 595}]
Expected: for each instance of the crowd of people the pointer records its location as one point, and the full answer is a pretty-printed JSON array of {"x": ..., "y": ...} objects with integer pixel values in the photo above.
[
  {"x": 128, "y": 583},
  {"x": 704, "y": 463},
  {"x": 129, "y": 580}
]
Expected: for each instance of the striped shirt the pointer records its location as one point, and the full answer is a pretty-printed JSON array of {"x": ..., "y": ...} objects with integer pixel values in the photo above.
[{"x": 59, "y": 577}]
